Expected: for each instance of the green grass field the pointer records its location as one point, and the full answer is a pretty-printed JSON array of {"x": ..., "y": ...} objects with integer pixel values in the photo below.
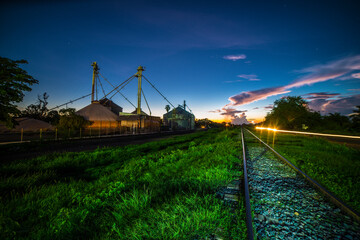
[
  {"x": 158, "y": 190},
  {"x": 333, "y": 165}
]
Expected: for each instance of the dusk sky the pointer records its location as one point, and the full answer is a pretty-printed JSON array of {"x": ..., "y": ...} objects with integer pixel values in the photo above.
[{"x": 225, "y": 58}]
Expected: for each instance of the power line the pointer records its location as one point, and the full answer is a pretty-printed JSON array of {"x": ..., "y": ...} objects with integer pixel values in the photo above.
[
  {"x": 158, "y": 91},
  {"x": 117, "y": 90},
  {"x": 146, "y": 101},
  {"x": 71, "y": 101}
]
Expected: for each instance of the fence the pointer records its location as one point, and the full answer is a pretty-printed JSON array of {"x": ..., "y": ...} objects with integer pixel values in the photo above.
[{"x": 61, "y": 134}]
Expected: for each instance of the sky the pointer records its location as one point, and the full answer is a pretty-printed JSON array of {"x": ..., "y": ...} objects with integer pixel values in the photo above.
[{"x": 230, "y": 60}]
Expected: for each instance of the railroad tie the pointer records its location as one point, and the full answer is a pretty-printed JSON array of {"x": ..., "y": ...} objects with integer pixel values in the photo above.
[{"x": 230, "y": 194}]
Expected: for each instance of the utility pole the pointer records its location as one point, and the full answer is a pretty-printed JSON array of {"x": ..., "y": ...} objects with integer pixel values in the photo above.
[
  {"x": 139, "y": 75},
  {"x": 95, "y": 73}
]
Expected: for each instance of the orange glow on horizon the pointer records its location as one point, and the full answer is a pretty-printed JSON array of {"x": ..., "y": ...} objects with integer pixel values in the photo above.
[
  {"x": 229, "y": 120},
  {"x": 221, "y": 120}
]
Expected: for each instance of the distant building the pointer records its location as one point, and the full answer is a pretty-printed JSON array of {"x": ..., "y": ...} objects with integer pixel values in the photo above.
[
  {"x": 144, "y": 121},
  {"x": 28, "y": 124},
  {"x": 106, "y": 117},
  {"x": 179, "y": 119},
  {"x": 104, "y": 113}
]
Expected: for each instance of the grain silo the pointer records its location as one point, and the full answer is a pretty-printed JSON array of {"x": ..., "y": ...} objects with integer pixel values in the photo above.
[
  {"x": 104, "y": 113},
  {"x": 99, "y": 115},
  {"x": 179, "y": 119}
]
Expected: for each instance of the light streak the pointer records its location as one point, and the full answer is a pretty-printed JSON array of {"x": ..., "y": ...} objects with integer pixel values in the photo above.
[{"x": 309, "y": 133}]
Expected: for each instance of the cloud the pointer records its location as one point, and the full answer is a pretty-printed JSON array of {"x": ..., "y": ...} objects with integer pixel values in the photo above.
[
  {"x": 252, "y": 96},
  {"x": 355, "y": 75},
  {"x": 235, "y": 57},
  {"x": 314, "y": 74},
  {"x": 239, "y": 120},
  {"x": 343, "y": 105},
  {"x": 230, "y": 112},
  {"x": 325, "y": 72},
  {"x": 270, "y": 106},
  {"x": 233, "y": 81},
  {"x": 320, "y": 95},
  {"x": 354, "y": 89},
  {"x": 314, "y": 78},
  {"x": 215, "y": 111},
  {"x": 250, "y": 77}
]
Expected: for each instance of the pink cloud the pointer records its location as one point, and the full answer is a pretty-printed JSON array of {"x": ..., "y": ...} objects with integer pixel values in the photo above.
[
  {"x": 252, "y": 96},
  {"x": 315, "y": 74},
  {"x": 235, "y": 57},
  {"x": 328, "y": 71},
  {"x": 315, "y": 78},
  {"x": 320, "y": 95}
]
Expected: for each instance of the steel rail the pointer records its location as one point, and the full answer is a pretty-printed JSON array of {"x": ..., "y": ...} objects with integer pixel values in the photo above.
[
  {"x": 249, "y": 226},
  {"x": 343, "y": 206}
]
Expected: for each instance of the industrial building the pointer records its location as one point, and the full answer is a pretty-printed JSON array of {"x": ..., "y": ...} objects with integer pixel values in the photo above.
[
  {"x": 104, "y": 113},
  {"x": 179, "y": 119}
]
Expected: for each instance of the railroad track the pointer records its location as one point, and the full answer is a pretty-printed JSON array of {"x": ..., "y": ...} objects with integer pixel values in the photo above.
[{"x": 282, "y": 202}]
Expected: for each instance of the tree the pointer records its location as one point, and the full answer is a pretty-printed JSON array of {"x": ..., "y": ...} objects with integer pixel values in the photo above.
[
  {"x": 53, "y": 117},
  {"x": 355, "y": 118},
  {"x": 67, "y": 111},
  {"x": 14, "y": 81},
  {"x": 69, "y": 120},
  {"x": 289, "y": 113},
  {"x": 167, "y": 108},
  {"x": 336, "y": 121},
  {"x": 38, "y": 110}
]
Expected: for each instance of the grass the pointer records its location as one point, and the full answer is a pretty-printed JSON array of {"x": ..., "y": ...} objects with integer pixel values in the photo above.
[
  {"x": 334, "y": 166},
  {"x": 158, "y": 190}
]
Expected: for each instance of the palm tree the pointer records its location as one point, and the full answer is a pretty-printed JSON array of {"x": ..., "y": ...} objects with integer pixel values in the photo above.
[{"x": 167, "y": 108}]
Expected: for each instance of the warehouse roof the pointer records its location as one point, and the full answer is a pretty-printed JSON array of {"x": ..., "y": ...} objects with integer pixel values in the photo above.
[
  {"x": 28, "y": 124},
  {"x": 180, "y": 111},
  {"x": 97, "y": 112}
]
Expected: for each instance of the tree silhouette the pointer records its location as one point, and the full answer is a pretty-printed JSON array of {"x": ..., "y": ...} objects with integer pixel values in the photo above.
[
  {"x": 289, "y": 113},
  {"x": 355, "y": 118},
  {"x": 167, "y": 108},
  {"x": 14, "y": 81},
  {"x": 38, "y": 110}
]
